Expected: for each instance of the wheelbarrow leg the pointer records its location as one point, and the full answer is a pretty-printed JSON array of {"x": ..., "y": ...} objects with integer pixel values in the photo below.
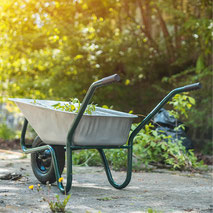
[
  {"x": 67, "y": 188},
  {"x": 69, "y": 170},
  {"x": 108, "y": 171}
]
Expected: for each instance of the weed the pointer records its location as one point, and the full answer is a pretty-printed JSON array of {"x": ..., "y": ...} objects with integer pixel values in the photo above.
[
  {"x": 24, "y": 156},
  {"x": 153, "y": 211},
  {"x": 55, "y": 204}
]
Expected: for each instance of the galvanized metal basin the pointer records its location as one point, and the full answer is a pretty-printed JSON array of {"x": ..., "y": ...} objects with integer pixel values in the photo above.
[{"x": 104, "y": 127}]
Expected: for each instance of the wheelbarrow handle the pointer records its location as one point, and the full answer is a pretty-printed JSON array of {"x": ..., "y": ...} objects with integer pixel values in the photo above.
[
  {"x": 107, "y": 80},
  {"x": 85, "y": 102},
  {"x": 148, "y": 118},
  {"x": 191, "y": 87}
]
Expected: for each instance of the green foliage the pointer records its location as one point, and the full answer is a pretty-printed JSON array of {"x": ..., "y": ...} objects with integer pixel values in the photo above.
[
  {"x": 59, "y": 206},
  {"x": 117, "y": 158},
  {"x": 181, "y": 103},
  {"x": 150, "y": 210},
  {"x": 208, "y": 148},
  {"x": 51, "y": 50},
  {"x": 150, "y": 147},
  {"x": 55, "y": 205},
  {"x": 67, "y": 41},
  {"x": 74, "y": 106},
  {"x": 86, "y": 158},
  {"x": 6, "y": 133}
]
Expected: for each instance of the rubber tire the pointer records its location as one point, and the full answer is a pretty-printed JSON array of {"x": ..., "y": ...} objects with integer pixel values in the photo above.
[{"x": 49, "y": 175}]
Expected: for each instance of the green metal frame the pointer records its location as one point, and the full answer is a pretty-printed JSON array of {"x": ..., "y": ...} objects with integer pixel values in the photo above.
[{"x": 70, "y": 147}]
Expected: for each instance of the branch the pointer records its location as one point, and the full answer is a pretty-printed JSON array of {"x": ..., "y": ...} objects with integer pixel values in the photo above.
[
  {"x": 147, "y": 29},
  {"x": 144, "y": 15},
  {"x": 167, "y": 37},
  {"x": 177, "y": 38}
]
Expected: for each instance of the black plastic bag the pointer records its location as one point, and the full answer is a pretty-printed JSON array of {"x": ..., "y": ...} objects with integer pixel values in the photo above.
[
  {"x": 165, "y": 124},
  {"x": 163, "y": 118}
]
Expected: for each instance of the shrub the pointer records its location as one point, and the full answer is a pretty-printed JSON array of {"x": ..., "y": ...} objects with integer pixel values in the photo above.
[{"x": 6, "y": 133}]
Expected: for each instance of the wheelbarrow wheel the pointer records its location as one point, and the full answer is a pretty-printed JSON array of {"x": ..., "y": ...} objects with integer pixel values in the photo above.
[{"x": 41, "y": 162}]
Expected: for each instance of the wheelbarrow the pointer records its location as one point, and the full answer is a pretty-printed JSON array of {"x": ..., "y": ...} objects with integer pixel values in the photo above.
[{"x": 60, "y": 131}]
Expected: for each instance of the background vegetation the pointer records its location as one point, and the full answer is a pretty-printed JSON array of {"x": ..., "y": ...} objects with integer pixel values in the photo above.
[{"x": 55, "y": 49}]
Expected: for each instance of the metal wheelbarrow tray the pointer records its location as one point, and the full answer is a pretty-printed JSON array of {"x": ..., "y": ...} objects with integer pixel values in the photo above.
[
  {"x": 103, "y": 127},
  {"x": 59, "y": 131}
]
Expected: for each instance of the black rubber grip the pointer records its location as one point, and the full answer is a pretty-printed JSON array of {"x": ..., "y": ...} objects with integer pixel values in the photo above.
[
  {"x": 110, "y": 79},
  {"x": 192, "y": 87}
]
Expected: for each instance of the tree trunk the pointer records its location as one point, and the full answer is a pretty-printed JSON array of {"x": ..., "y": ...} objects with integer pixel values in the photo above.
[{"x": 168, "y": 40}]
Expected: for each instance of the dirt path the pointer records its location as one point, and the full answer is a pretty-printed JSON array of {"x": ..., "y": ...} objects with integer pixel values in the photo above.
[{"x": 162, "y": 190}]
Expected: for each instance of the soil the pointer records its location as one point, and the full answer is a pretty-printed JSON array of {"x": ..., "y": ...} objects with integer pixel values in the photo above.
[
  {"x": 12, "y": 144},
  {"x": 161, "y": 190}
]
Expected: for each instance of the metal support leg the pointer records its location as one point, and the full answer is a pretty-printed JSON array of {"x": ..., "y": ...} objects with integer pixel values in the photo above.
[
  {"x": 108, "y": 171},
  {"x": 69, "y": 170}
]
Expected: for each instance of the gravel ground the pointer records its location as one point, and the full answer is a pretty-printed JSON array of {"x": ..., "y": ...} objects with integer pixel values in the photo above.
[{"x": 160, "y": 190}]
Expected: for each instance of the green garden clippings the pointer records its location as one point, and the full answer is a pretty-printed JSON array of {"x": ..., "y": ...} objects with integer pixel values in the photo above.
[{"x": 74, "y": 106}]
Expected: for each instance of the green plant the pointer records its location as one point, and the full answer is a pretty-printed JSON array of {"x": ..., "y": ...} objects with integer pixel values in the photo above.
[
  {"x": 117, "y": 158},
  {"x": 86, "y": 158},
  {"x": 208, "y": 148},
  {"x": 150, "y": 210},
  {"x": 105, "y": 198},
  {"x": 154, "y": 147},
  {"x": 151, "y": 148},
  {"x": 6, "y": 133},
  {"x": 24, "y": 156},
  {"x": 55, "y": 204},
  {"x": 181, "y": 104},
  {"x": 59, "y": 206},
  {"x": 74, "y": 106}
]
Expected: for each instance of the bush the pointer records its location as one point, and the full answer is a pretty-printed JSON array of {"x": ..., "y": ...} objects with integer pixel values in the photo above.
[
  {"x": 6, "y": 133},
  {"x": 150, "y": 148},
  {"x": 117, "y": 158}
]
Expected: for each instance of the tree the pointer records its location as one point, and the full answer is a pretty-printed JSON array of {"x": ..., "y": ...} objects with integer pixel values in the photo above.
[{"x": 55, "y": 49}]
